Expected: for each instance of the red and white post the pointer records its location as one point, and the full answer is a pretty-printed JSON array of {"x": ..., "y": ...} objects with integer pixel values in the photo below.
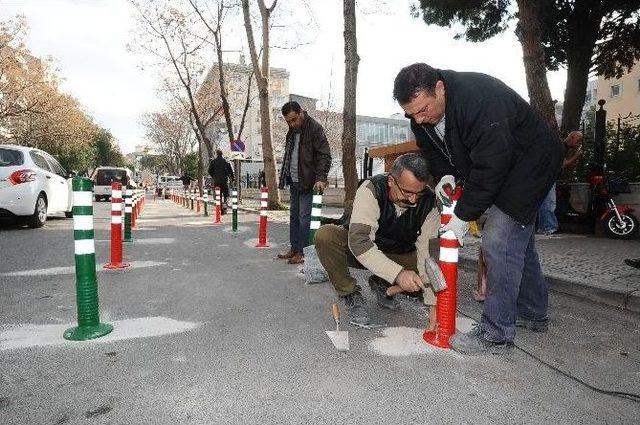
[
  {"x": 134, "y": 210},
  {"x": 447, "y": 299},
  {"x": 262, "y": 227},
  {"x": 218, "y": 215},
  {"x": 116, "y": 228}
]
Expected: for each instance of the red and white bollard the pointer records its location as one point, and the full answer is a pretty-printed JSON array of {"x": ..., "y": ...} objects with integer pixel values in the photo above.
[
  {"x": 198, "y": 202},
  {"x": 134, "y": 210},
  {"x": 446, "y": 299},
  {"x": 218, "y": 216},
  {"x": 116, "y": 228},
  {"x": 262, "y": 228}
]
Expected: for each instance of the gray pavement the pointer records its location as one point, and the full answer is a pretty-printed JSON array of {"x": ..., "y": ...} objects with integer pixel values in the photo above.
[{"x": 258, "y": 353}]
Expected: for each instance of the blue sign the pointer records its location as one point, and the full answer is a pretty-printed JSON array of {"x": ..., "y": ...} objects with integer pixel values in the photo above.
[{"x": 237, "y": 146}]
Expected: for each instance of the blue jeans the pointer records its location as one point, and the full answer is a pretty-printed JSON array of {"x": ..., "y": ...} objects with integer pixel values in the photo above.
[
  {"x": 515, "y": 284},
  {"x": 547, "y": 221},
  {"x": 299, "y": 217}
]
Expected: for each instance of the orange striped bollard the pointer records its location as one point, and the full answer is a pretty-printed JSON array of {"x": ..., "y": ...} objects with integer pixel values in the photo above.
[
  {"x": 262, "y": 228},
  {"x": 218, "y": 207},
  {"x": 446, "y": 299},
  {"x": 116, "y": 228},
  {"x": 134, "y": 210},
  {"x": 198, "y": 202}
]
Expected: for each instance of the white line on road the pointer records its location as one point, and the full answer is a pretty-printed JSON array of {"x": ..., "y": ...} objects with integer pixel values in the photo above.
[
  {"x": 71, "y": 269},
  {"x": 29, "y": 335}
]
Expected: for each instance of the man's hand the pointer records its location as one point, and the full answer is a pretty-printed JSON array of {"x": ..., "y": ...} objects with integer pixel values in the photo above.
[
  {"x": 409, "y": 281},
  {"x": 446, "y": 183},
  {"x": 319, "y": 186},
  {"x": 458, "y": 227}
]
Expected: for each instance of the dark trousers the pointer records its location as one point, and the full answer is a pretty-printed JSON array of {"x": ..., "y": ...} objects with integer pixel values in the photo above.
[
  {"x": 299, "y": 217},
  {"x": 515, "y": 283}
]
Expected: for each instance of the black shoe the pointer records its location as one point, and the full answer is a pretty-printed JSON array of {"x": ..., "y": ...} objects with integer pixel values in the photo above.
[
  {"x": 475, "y": 343},
  {"x": 533, "y": 325},
  {"x": 354, "y": 304},
  {"x": 379, "y": 287},
  {"x": 633, "y": 262}
]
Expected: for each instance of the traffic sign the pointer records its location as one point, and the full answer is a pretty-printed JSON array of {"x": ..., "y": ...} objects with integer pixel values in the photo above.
[{"x": 237, "y": 146}]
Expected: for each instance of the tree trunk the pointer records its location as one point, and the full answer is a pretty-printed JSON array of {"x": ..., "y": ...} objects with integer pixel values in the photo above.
[
  {"x": 585, "y": 24},
  {"x": 262, "y": 81},
  {"x": 351, "y": 60},
  {"x": 528, "y": 32}
]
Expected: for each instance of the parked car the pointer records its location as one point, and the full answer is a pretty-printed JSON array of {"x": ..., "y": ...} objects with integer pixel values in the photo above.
[
  {"x": 104, "y": 176},
  {"x": 33, "y": 185}
]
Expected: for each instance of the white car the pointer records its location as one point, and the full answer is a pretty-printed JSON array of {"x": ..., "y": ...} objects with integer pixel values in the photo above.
[{"x": 33, "y": 185}]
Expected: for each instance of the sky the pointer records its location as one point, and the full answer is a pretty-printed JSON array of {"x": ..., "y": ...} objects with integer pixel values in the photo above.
[{"x": 87, "y": 40}]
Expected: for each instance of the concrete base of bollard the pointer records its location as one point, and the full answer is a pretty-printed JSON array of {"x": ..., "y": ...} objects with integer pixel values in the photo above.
[{"x": 83, "y": 333}]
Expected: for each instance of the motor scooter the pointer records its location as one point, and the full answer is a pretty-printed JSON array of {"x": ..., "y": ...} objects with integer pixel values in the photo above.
[{"x": 617, "y": 220}]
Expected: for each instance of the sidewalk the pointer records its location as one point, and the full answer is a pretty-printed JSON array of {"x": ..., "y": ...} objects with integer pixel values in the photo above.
[{"x": 585, "y": 266}]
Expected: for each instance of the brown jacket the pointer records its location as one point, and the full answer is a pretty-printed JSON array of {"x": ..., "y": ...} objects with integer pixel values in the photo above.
[{"x": 314, "y": 158}]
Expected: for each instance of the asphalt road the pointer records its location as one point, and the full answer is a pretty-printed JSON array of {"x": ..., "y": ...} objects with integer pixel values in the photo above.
[{"x": 255, "y": 350}]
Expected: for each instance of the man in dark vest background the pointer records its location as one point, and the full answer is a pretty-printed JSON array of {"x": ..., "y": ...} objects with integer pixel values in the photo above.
[{"x": 392, "y": 220}]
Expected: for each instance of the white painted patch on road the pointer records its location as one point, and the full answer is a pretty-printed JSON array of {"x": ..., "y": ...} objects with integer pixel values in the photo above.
[
  {"x": 154, "y": 241},
  {"x": 241, "y": 229},
  {"x": 29, "y": 335},
  {"x": 403, "y": 341},
  {"x": 71, "y": 269},
  {"x": 251, "y": 243}
]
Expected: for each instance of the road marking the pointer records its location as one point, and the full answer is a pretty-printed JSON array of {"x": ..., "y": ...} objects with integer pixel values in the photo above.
[
  {"x": 251, "y": 243},
  {"x": 29, "y": 335},
  {"x": 71, "y": 270},
  {"x": 404, "y": 341},
  {"x": 154, "y": 241},
  {"x": 241, "y": 229}
]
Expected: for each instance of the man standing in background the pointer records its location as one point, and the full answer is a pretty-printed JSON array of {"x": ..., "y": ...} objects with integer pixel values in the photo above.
[
  {"x": 220, "y": 171},
  {"x": 306, "y": 163}
]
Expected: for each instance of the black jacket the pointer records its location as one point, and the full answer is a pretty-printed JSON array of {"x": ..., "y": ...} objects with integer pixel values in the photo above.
[
  {"x": 314, "y": 155},
  {"x": 220, "y": 170},
  {"x": 494, "y": 141}
]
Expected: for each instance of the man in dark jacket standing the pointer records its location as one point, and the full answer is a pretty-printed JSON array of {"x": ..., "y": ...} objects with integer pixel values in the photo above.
[
  {"x": 476, "y": 131},
  {"x": 220, "y": 171},
  {"x": 305, "y": 166}
]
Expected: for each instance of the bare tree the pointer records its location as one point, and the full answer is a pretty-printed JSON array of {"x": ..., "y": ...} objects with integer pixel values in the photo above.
[
  {"x": 351, "y": 60},
  {"x": 168, "y": 37},
  {"x": 261, "y": 74}
]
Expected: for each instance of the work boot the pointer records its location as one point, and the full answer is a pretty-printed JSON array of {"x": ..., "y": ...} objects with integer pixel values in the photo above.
[
  {"x": 357, "y": 313},
  {"x": 379, "y": 287},
  {"x": 286, "y": 255},
  {"x": 474, "y": 343},
  {"x": 533, "y": 325},
  {"x": 633, "y": 262},
  {"x": 296, "y": 259}
]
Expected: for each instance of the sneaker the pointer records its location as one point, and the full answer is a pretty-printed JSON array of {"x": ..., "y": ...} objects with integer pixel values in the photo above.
[
  {"x": 379, "y": 287},
  {"x": 354, "y": 305},
  {"x": 474, "y": 343},
  {"x": 533, "y": 325}
]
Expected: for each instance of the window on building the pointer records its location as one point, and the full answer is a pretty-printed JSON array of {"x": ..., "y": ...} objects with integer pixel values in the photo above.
[{"x": 616, "y": 90}]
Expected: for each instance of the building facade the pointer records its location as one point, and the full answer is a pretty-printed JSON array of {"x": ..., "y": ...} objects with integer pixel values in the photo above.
[
  {"x": 621, "y": 94},
  {"x": 239, "y": 77}
]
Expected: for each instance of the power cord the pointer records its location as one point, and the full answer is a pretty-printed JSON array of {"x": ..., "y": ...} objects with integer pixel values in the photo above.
[{"x": 620, "y": 394}]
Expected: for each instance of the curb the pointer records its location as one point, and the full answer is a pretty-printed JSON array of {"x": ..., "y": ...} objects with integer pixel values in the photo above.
[{"x": 624, "y": 300}]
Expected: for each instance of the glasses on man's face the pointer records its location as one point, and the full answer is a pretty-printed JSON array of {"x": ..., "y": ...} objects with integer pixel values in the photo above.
[{"x": 407, "y": 193}]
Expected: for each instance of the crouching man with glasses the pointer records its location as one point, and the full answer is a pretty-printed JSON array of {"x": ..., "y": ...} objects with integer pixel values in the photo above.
[{"x": 393, "y": 218}]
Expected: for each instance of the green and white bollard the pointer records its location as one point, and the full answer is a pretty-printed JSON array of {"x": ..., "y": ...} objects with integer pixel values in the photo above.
[
  {"x": 205, "y": 201},
  {"x": 128, "y": 202},
  {"x": 89, "y": 326},
  {"x": 234, "y": 210},
  {"x": 316, "y": 213}
]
